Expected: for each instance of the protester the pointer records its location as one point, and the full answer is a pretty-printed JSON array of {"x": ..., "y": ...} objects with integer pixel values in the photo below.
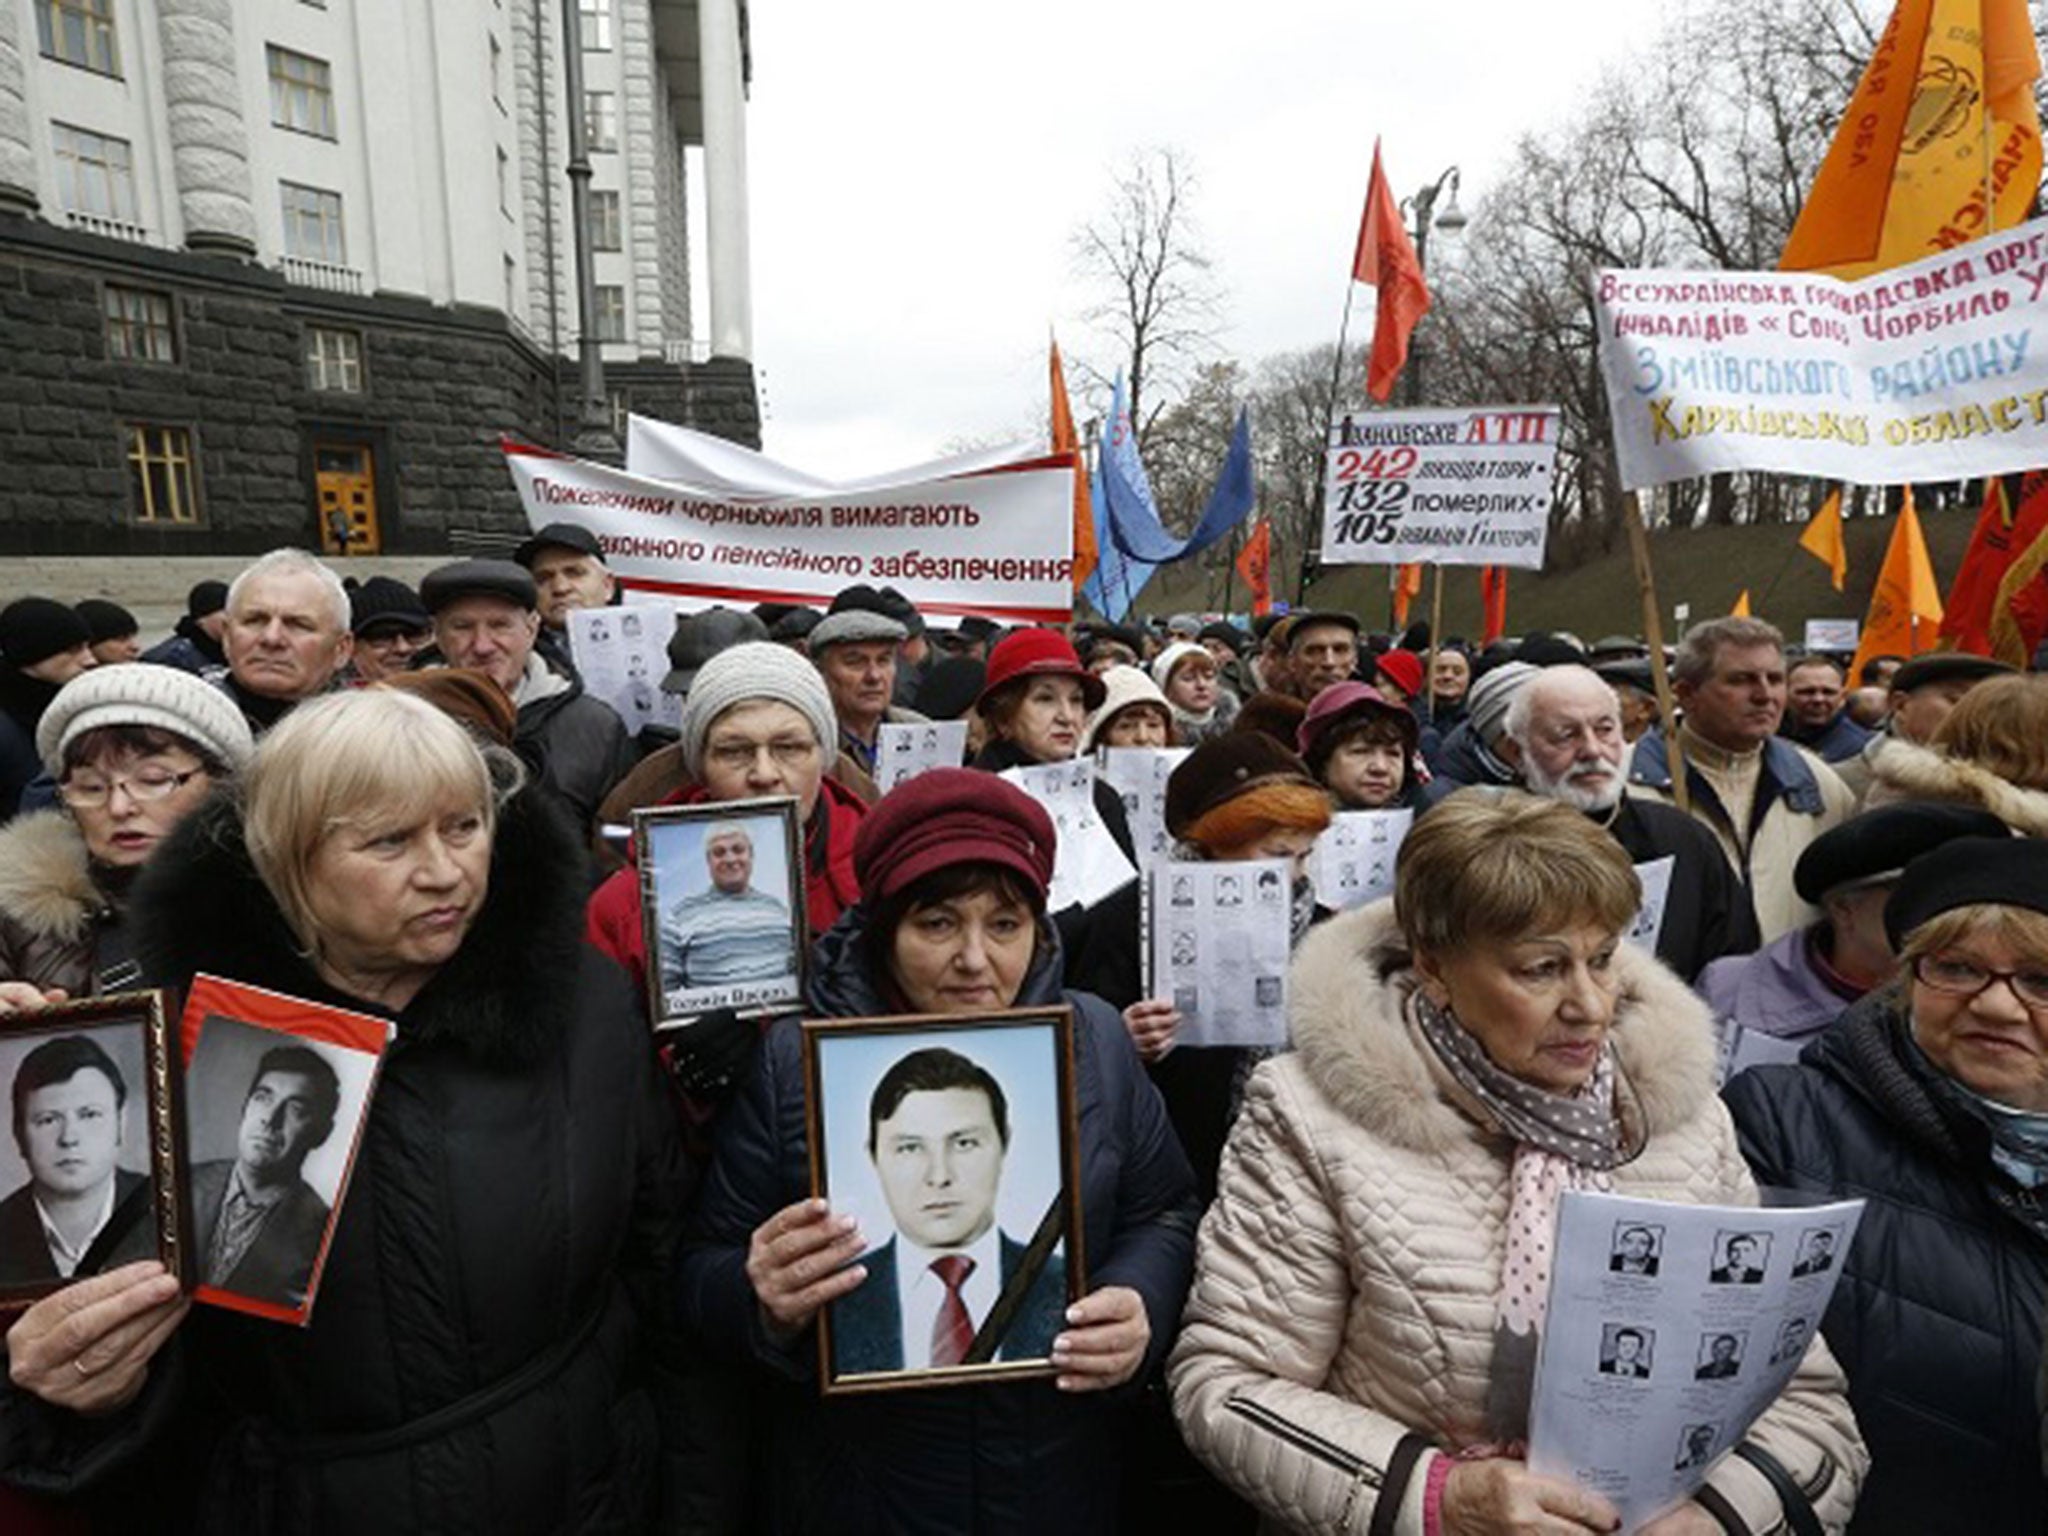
[
  {"x": 485, "y": 617},
  {"x": 1990, "y": 750},
  {"x": 1113, "y": 646},
  {"x": 854, "y": 647},
  {"x": 1354, "y": 1351},
  {"x": 1479, "y": 750},
  {"x": 914, "y": 655},
  {"x": 1361, "y": 746},
  {"x": 133, "y": 750},
  {"x": 1930, "y": 1099},
  {"x": 1880, "y": 672},
  {"x": 491, "y": 1305},
  {"x": 1276, "y": 715},
  {"x": 1322, "y": 648},
  {"x": 1636, "y": 691},
  {"x": 43, "y": 645},
  {"x": 1763, "y": 798},
  {"x": 391, "y": 626},
  {"x": 1271, "y": 671},
  {"x": 1800, "y": 983},
  {"x": 1134, "y": 713},
  {"x": 286, "y": 635},
  {"x": 1202, "y": 707},
  {"x": 1450, "y": 679},
  {"x": 113, "y": 630},
  {"x": 1869, "y": 708},
  {"x": 1566, "y": 726},
  {"x": 1817, "y": 711},
  {"x": 194, "y": 644},
  {"x": 1397, "y": 673},
  {"x": 1923, "y": 691},
  {"x": 954, "y": 870},
  {"x": 569, "y": 572}
]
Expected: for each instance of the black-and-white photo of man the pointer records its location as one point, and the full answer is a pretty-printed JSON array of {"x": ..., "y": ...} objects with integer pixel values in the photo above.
[
  {"x": 1741, "y": 1261},
  {"x": 1635, "y": 1251},
  {"x": 68, "y": 1101},
  {"x": 1816, "y": 1253},
  {"x": 1626, "y": 1352}
]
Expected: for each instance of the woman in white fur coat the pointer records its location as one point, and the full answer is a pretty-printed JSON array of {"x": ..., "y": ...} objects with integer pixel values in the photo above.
[{"x": 1358, "y": 1350}]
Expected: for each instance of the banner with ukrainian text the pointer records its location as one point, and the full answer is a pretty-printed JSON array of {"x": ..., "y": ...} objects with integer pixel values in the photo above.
[
  {"x": 996, "y": 543},
  {"x": 1923, "y": 372}
]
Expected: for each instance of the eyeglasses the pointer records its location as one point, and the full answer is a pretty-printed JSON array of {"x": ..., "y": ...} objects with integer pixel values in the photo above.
[
  {"x": 738, "y": 756},
  {"x": 143, "y": 788},
  {"x": 1965, "y": 978}
]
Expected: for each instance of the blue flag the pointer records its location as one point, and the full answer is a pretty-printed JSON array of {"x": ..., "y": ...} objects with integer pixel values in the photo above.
[
  {"x": 1122, "y": 497},
  {"x": 1134, "y": 523}
]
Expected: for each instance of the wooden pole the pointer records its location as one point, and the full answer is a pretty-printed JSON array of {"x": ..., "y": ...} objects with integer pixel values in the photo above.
[
  {"x": 1436, "y": 643},
  {"x": 1653, "y": 632}
]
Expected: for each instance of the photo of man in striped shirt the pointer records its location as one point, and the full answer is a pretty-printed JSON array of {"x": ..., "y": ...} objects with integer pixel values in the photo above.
[{"x": 729, "y": 933}]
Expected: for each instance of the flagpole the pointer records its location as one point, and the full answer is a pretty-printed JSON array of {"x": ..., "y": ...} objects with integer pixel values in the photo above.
[
  {"x": 1436, "y": 641},
  {"x": 1653, "y": 632},
  {"x": 1323, "y": 482}
]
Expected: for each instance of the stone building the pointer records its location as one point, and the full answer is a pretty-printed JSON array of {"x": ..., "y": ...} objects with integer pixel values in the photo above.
[{"x": 283, "y": 271}]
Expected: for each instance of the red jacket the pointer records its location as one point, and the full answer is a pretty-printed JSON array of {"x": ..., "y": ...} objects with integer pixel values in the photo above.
[{"x": 612, "y": 920}]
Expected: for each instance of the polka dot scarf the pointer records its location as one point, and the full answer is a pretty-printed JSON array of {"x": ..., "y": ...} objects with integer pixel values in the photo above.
[{"x": 1562, "y": 1141}]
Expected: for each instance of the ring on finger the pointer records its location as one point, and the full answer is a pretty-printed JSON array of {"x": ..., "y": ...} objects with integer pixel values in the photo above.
[{"x": 78, "y": 1364}]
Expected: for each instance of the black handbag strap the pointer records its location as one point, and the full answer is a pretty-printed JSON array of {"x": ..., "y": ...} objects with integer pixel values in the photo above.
[{"x": 1799, "y": 1516}]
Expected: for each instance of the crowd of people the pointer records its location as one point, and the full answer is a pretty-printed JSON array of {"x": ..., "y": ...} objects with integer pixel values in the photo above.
[{"x": 577, "y": 1279}]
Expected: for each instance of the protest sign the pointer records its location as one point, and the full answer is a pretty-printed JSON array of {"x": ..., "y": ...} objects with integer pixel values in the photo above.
[
  {"x": 995, "y": 543},
  {"x": 622, "y": 655},
  {"x": 1352, "y": 863},
  {"x": 904, "y": 750},
  {"x": 1448, "y": 487},
  {"x": 1139, "y": 775},
  {"x": 1087, "y": 863},
  {"x": 1923, "y": 372},
  {"x": 1648, "y": 926},
  {"x": 1216, "y": 943},
  {"x": 1832, "y": 635}
]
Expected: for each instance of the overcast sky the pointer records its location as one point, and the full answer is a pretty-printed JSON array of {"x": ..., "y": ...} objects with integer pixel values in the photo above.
[{"x": 917, "y": 168}]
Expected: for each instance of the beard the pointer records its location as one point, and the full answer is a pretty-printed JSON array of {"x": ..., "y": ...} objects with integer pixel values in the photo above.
[{"x": 1577, "y": 786}]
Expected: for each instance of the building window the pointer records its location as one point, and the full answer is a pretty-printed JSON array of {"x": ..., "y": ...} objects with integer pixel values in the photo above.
[
  {"x": 160, "y": 474},
  {"x": 334, "y": 360},
  {"x": 497, "y": 73},
  {"x": 611, "y": 312},
  {"x": 95, "y": 174},
  {"x": 312, "y": 225},
  {"x": 301, "y": 93},
  {"x": 139, "y": 325},
  {"x": 504, "y": 183},
  {"x": 511, "y": 287},
  {"x": 597, "y": 25},
  {"x": 604, "y": 222},
  {"x": 79, "y": 32},
  {"x": 601, "y": 119}
]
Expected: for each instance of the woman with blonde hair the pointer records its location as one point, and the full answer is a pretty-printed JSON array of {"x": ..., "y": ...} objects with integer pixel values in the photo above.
[
  {"x": 1370, "y": 1283},
  {"x": 1990, "y": 750}
]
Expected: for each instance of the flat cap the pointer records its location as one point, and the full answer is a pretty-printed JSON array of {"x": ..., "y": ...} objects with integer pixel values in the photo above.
[
  {"x": 1945, "y": 667},
  {"x": 477, "y": 578},
  {"x": 562, "y": 536}
]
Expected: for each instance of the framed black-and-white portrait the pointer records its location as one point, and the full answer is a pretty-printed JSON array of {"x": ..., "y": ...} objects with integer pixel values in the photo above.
[
  {"x": 91, "y": 1177},
  {"x": 722, "y": 907},
  {"x": 951, "y": 1141}
]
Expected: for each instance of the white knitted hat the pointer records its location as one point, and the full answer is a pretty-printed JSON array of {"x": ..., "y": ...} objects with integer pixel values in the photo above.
[
  {"x": 1173, "y": 656},
  {"x": 143, "y": 693},
  {"x": 747, "y": 673},
  {"x": 1488, "y": 699},
  {"x": 1125, "y": 686}
]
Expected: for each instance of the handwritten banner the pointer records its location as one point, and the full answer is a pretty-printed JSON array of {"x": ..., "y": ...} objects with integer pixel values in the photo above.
[
  {"x": 1923, "y": 372},
  {"x": 1447, "y": 487}
]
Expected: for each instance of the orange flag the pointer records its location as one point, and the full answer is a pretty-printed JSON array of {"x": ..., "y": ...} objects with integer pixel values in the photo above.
[
  {"x": 1493, "y": 598},
  {"x": 1905, "y": 176},
  {"x": 1741, "y": 608},
  {"x": 1905, "y": 609},
  {"x": 1386, "y": 258},
  {"x": 1407, "y": 587},
  {"x": 1255, "y": 565},
  {"x": 1995, "y": 545},
  {"x": 1823, "y": 537},
  {"x": 1066, "y": 440}
]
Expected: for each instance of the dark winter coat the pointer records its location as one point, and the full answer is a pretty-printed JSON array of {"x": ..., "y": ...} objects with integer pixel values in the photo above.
[
  {"x": 1707, "y": 913},
  {"x": 479, "y": 1357},
  {"x": 22, "y": 702},
  {"x": 1937, "y": 1318},
  {"x": 577, "y": 746},
  {"x": 1461, "y": 759},
  {"x": 1837, "y": 741},
  {"x": 1015, "y": 1457}
]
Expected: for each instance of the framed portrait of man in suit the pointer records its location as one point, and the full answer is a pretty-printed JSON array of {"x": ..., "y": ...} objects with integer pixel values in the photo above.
[
  {"x": 951, "y": 1141},
  {"x": 90, "y": 1173}
]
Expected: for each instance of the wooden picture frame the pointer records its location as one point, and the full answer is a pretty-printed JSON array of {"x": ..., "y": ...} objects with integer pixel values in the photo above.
[
  {"x": 755, "y": 940},
  {"x": 899, "y": 1124},
  {"x": 147, "y": 1218}
]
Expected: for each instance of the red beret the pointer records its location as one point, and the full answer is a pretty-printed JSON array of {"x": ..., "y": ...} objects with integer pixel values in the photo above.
[
  {"x": 1403, "y": 669},
  {"x": 952, "y": 816}
]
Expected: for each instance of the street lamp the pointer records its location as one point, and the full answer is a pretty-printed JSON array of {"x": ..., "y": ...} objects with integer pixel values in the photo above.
[
  {"x": 594, "y": 436},
  {"x": 1450, "y": 221}
]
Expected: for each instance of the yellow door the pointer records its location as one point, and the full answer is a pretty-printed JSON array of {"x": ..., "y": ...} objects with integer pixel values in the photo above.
[{"x": 346, "y": 477}]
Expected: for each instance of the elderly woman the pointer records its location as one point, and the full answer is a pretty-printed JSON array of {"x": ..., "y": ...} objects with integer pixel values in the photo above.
[
  {"x": 1990, "y": 750},
  {"x": 1353, "y": 1350},
  {"x": 482, "y": 1349},
  {"x": 1362, "y": 745},
  {"x": 1189, "y": 677},
  {"x": 1133, "y": 713},
  {"x": 953, "y": 871},
  {"x": 134, "y": 750},
  {"x": 1931, "y": 1098}
]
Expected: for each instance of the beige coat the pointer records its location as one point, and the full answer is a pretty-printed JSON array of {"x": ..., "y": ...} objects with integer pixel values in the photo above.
[
  {"x": 1902, "y": 771},
  {"x": 50, "y": 910},
  {"x": 1345, "y": 1277}
]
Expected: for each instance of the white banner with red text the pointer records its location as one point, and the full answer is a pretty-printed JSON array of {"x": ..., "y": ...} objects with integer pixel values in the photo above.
[
  {"x": 996, "y": 543},
  {"x": 1923, "y": 372}
]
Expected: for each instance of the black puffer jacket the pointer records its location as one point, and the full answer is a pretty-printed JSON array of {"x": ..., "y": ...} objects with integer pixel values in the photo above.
[
  {"x": 1937, "y": 1318},
  {"x": 478, "y": 1358},
  {"x": 1010, "y": 1459}
]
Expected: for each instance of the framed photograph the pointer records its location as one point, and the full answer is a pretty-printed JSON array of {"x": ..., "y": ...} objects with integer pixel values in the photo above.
[
  {"x": 722, "y": 905},
  {"x": 951, "y": 1140},
  {"x": 91, "y": 1178},
  {"x": 277, "y": 1091}
]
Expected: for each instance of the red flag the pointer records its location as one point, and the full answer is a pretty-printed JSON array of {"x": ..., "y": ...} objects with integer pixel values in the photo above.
[
  {"x": 1386, "y": 258},
  {"x": 1255, "y": 565},
  {"x": 1995, "y": 544},
  {"x": 1066, "y": 440},
  {"x": 2019, "y": 613},
  {"x": 1493, "y": 596},
  {"x": 1407, "y": 587}
]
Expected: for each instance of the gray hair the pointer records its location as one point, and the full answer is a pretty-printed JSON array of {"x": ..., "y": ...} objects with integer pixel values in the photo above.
[
  {"x": 1522, "y": 707},
  {"x": 1701, "y": 647},
  {"x": 728, "y": 829},
  {"x": 294, "y": 562}
]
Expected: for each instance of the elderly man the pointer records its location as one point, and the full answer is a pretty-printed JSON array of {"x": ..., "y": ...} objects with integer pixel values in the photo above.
[
  {"x": 287, "y": 635},
  {"x": 727, "y": 933},
  {"x": 486, "y": 616},
  {"x": 567, "y": 564},
  {"x": 855, "y": 648},
  {"x": 1923, "y": 691},
  {"x": 80, "y": 1208},
  {"x": 1322, "y": 648},
  {"x": 391, "y": 626},
  {"x": 1762, "y": 797},
  {"x": 195, "y": 644},
  {"x": 1816, "y": 711},
  {"x": 1566, "y": 726}
]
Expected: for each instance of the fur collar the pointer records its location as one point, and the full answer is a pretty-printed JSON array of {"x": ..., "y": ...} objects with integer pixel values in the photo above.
[
  {"x": 1906, "y": 771},
  {"x": 1349, "y": 985},
  {"x": 510, "y": 988},
  {"x": 46, "y": 880}
]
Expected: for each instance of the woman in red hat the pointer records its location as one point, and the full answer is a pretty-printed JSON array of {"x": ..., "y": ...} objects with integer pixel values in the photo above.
[
  {"x": 1362, "y": 746},
  {"x": 953, "y": 869}
]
